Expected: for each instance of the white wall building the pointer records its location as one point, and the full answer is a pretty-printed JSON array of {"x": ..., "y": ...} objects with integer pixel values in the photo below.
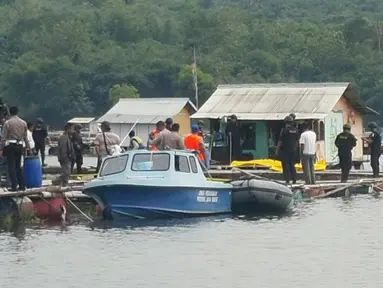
[{"x": 147, "y": 112}]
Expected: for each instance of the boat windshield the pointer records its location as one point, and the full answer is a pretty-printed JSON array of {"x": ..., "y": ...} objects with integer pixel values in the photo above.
[
  {"x": 114, "y": 165},
  {"x": 151, "y": 162}
]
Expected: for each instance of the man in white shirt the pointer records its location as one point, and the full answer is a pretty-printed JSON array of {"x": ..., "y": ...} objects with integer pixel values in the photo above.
[
  {"x": 307, "y": 142},
  {"x": 30, "y": 136}
]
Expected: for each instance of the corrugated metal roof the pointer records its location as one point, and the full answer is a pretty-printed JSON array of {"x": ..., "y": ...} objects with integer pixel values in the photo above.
[
  {"x": 81, "y": 120},
  {"x": 147, "y": 110},
  {"x": 275, "y": 101}
]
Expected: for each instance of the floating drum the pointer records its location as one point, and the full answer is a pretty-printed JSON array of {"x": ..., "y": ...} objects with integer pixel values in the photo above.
[
  {"x": 8, "y": 207},
  {"x": 16, "y": 206},
  {"x": 33, "y": 173},
  {"x": 50, "y": 208},
  {"x": 25, "y": 205},
  {"x": 98, "y": 210}
]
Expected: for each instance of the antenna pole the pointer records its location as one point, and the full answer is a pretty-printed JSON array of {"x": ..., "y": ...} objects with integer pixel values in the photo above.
[{"x": 195, "y": 78}]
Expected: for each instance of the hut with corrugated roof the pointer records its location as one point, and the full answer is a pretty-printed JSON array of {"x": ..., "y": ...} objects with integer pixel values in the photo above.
[
  {"x": 261, "y": 108},
  {"x": 147, "y": 112}
]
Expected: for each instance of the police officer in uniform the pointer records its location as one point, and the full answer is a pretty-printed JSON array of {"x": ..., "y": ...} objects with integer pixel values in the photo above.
[
  {"x": 345, "y": 142},
  {"x": 374, "y": 141},
  {"x": 13, "y": 135},
  {"x": 287, "y": 149}
]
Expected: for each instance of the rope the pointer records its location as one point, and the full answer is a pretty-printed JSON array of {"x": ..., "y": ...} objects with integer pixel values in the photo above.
[{"x": 78, "y": 209}]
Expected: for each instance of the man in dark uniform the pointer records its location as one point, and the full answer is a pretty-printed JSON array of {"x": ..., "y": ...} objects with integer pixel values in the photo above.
[
  {"x": 78, "y": 147},
  {"x": 345, "y": 142},
  {"x": 375, "y": 142},
  {"x": 287, "y": 149},
  {"x": 234, "y": 135},
  {"x": 40, "y": 133}
]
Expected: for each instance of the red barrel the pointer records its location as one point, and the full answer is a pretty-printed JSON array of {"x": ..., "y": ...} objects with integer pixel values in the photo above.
[{"x": 51, "y": 208}]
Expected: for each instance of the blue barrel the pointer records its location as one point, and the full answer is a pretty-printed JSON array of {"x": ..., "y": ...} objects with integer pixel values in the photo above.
[{"x": 33, "y": 172}]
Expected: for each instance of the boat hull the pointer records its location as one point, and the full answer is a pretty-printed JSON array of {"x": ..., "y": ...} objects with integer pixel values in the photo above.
[
  {"x": 148, "y": 202},
  {"x": 255, "y": 195}
]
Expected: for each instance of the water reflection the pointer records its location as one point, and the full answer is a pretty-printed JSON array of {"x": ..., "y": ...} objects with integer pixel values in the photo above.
[{"x": 324, "y": 243}]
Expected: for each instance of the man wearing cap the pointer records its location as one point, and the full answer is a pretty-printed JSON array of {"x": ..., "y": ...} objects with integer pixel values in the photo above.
[
  {"x": 105, "y": 142},
  {"x": 287, "y": 149},
  {"x": 195, "y": 143},
  {"x": 375, "y": 142},
  {"x": 345, "y": 142},
  {"x": 40, "y": 134}
]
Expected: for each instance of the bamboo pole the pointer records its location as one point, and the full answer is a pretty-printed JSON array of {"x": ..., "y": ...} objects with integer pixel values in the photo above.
[
  {"x": 36, "y": 191},
  {"x": 332, "y": 192}
]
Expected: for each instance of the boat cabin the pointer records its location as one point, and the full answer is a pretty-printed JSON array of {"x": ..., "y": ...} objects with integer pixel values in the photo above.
[{"x": 181, "y": 167}]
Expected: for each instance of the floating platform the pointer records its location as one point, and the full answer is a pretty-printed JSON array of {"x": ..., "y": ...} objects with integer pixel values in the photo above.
[
  {"x": 333, "y": 175},
  {"x": 53, "y": 202}
]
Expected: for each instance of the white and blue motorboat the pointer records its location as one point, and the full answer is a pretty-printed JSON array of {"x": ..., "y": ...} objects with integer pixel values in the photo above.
[{"x": 143, "y": 184}]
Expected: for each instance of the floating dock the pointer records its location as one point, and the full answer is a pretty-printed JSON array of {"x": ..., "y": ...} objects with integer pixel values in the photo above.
[{"x": 53, "y": 202}]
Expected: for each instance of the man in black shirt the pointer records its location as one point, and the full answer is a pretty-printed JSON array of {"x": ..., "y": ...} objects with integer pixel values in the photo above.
[
  {"x": 375, "y": 142},
  {"x": 39, "y": 134},
  {"x": 234, "y": 135},
  {"x": 78, "y": 148},
  {"x": 345, "y": 142},
  {"x": 287, "y": 149}
]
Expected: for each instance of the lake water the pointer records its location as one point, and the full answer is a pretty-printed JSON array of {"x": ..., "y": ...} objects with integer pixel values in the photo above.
[{"x": 326, "y": 243}]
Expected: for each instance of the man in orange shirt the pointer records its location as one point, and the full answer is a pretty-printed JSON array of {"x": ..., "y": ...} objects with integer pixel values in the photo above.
[{"x": 195, "y": 142}]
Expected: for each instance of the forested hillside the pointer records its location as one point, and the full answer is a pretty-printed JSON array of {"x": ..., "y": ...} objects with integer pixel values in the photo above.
[{"x": 75, "y": 57}]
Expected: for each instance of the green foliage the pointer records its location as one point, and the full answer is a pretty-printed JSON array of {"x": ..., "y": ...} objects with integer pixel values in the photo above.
[
  {"x": 122, "y": 91},
  {"x": 60, "y": 59},
  {"x": 186, "y": 84}
]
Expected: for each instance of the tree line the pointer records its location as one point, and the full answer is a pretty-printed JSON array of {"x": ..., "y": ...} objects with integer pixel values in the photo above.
[{"x": 61, "y": 59}]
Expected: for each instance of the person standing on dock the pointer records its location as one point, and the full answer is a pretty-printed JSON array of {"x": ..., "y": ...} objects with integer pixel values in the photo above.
[
  {"x": 345, "y": 142},
  {"x": 307, "y": 143},
  {"x": 30, "y": 137},
  {"x": 13, "y": 135},
  {"x": 78, "y": 146},
  {"x": 40, "y": 134},
  {"x": 233, "y": 132},
  {"x": 105, "y": 142},
  {"x": 287, "y": 149},
  {"x": 66, "y": 155},
  {"x": 375, "y": 142}
]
